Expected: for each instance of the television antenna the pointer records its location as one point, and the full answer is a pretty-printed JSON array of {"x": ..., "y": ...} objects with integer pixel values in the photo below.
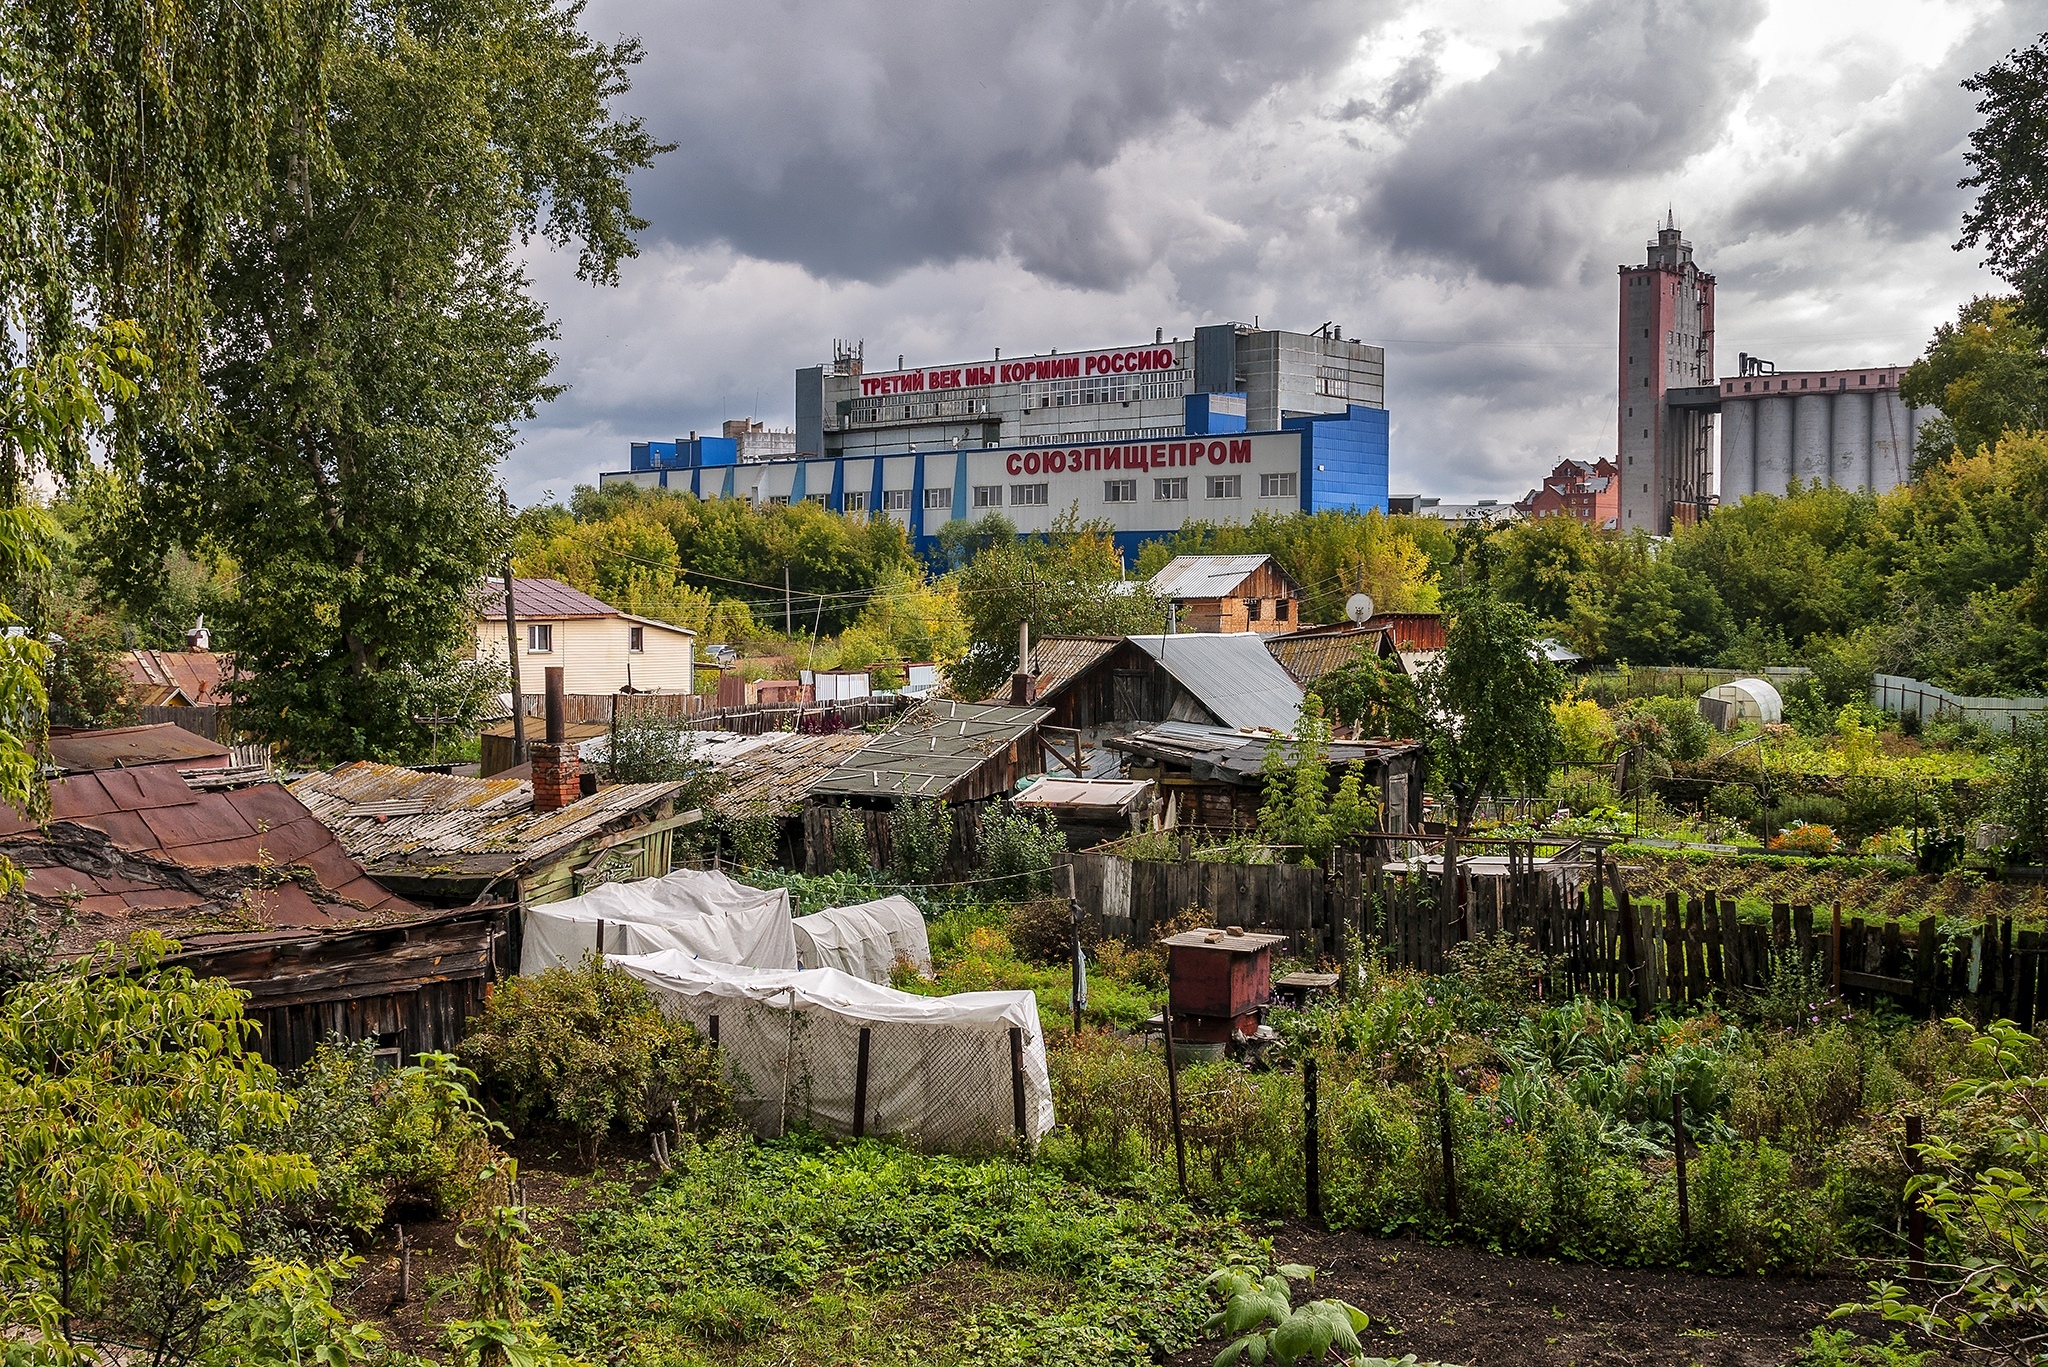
[{"x": 1358, "y": 608}]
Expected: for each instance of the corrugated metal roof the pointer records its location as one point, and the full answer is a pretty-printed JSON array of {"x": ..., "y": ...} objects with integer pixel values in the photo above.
[
  {"x": 931, "y": 748},
  {"x": 1205, "y": 576},
  {"x": 462, "y": 825},
  {"x": 1058, "y": 660},
  {"x": 1233, "y": 674},
  {"x": 119, "y": 747},
  {"x": 776, "y": 769},
  {"x": 1308, "y": 656},
  {"x": 1234, "y": 755},
  {"x": 540, "y": 598}
]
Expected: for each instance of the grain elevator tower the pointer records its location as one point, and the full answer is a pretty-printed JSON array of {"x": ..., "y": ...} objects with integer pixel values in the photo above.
[{"x": 1667, "y": 349}]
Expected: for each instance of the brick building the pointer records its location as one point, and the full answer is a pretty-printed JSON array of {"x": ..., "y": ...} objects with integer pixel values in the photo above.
[{"x": 1587, "y": 490}]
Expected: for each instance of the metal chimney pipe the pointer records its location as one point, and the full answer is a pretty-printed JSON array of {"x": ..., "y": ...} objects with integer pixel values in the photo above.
[{"x": 557, "y": 726}]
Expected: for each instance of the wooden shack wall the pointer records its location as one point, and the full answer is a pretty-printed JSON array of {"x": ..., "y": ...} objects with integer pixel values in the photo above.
[
  {"x": 412, "y": 985},
  {"x": 1091, "y": 699}
]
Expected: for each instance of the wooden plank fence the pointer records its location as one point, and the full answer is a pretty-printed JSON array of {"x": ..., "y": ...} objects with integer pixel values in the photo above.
[{"x": 1577, "y": 912}]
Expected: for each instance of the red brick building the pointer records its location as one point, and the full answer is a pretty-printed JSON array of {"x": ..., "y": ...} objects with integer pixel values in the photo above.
[{"x": 1587, "y": 490}]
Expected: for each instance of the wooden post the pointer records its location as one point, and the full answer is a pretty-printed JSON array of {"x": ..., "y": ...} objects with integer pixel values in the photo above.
[
  {"x": 404, "y": 1267},
  {"x": 1311, "y": 1142},
  {"x": 1180, "y": 1148},
  {"x": 1916, "y": 1216},
  {"x": 1078, "y": 992},
  {"x": 1443, "y": 1125},
  {"x": 860, "y": 1086},
  {"x": 1678, "y": 1151},
  {"x": 1017, "y": 1081},
  {"x": 714, "y": 1032},
  {"x": 512, "y": 654},
  {"x": 1835, "y": 949}
]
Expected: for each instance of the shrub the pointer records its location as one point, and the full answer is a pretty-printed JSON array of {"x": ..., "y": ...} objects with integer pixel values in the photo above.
[
  {"x": 1503, "y": 969},
  {"x": 1584, "y": 731},
  {"x": 1017, "y": 851},
  {"x": 1582, "y": 790},
  {"x": 586, "y": 1048},
  {"x": 751, "y": 833},
  {"x": 1686, "y": 734},
  {"x": 920, "y": 837},
  {"x": 1735, "y": 802},
  {"x": 850, "y": 853},
  {"x": 1042, "y": 930},
  {"x": 1807, "y": 839}
]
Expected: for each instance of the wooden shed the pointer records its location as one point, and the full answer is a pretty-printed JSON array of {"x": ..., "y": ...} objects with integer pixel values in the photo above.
[
  {"x": 1229, "y": 593},
  {"x": 1213, "y": 777}
]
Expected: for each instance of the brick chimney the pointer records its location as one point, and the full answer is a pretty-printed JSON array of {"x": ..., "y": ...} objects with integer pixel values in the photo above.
[{"x": 557, "y": 769}]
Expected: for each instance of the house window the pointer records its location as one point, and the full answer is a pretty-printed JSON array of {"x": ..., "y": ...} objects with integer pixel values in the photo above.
[
  {"x": 1170, "y": 490},
  {"x": 988, "y": 495},
  {"x": 1119, "y": 491},
  {"x": 540, "y": 638},
  {"x": 896, "y": 500},
  {"x": 636, "y": 640},
  {"x": 1280, "y": 609},
  {"x": 1030, "y": 495},
  {"x": 1278, "y": 486},
  {"x": 1254, "y": 608},
  {"x": 1226, "y": 486},
  {"x": 856, "y": 503},
  {"x": 939, "y": 498}
]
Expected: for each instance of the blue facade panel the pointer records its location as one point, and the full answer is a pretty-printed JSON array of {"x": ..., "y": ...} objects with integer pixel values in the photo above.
[
  {"x": 691, "y": 454},
  {"x": 1210, "y": 415},
  {"x": 1344, "y": 459}
]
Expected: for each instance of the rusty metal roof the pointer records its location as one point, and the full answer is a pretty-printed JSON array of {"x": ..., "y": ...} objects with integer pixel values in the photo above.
[
  {"x": 930, "y": 749},
  {"x": 175, "y": 678},
  {"x": 139, "y": 849},
  {"x": 124, "y": 747},
  {"x": 402, "y": 821}
]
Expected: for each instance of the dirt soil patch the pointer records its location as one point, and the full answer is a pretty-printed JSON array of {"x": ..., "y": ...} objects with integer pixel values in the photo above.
[{"x": 1468, "y": 1306}]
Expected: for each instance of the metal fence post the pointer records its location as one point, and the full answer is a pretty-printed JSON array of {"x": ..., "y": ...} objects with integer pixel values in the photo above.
[
  {"x": 860, "y": 1086},
  {"x": 1017, "y": 1080},
  {"x": 1311, "y": 1142}
]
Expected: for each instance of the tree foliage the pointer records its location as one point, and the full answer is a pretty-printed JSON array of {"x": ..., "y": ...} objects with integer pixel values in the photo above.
[
  {"x": 1298, "y": 810},
  {"x": 1486, "y": 701},
  {"x": 1065, "y": 582},
  {"x": 2009, "y": 160},
  {"x": 1986, "y": 374}
]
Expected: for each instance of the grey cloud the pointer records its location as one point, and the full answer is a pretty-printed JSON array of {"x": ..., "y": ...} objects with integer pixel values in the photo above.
[
  {"x": 1495, "y": 176},
  {"x": 861, "y": 139},
  {"x": 1413, "y": 82},
  {"x": 1896, "y": 176}
]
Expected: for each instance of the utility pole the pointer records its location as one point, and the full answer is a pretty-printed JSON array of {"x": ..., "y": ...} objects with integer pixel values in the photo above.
[
  {"x": 787, "y": 628},
  {"x": 512, "y": 650}
]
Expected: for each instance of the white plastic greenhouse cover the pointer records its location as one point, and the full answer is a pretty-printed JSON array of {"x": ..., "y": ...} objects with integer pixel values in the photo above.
[
  {"x": 1753, "y": 697},
  {"x": 697, "y": 911},
  {"x": 939, "y": 1068},
  {"x": 865, "y": 940}
]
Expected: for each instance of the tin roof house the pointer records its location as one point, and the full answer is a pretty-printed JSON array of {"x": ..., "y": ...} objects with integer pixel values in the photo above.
[{"x": 1228, "y": 593}]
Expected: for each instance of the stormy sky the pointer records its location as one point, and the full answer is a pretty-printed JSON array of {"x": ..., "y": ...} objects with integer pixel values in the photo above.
[{"x": 1455, "y": 180}]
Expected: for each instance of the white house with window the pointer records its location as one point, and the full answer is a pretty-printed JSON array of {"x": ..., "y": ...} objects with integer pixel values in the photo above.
[{"x": 600, "y": 649}]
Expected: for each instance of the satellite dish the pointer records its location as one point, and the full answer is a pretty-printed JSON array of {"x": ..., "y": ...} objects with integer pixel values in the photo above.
[{"x": 1358, "y": 608}]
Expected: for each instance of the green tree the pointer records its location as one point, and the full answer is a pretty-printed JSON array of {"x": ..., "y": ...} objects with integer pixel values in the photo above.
[
  {"x": 1790, "y": 568},
  {"x": 1543, "y": 563},
  {"x": 1637, "y": 603},
  {"x": 1065, "y": 582},
  {"x": 1330, "y": 555},
  {"x": 136, "y": 1109},
  {"x": 1297, "y": 809},
  {"x": 2009, "y": 156},
  {"x": 374, "y": 344},
  {"x": 1486, "y": 700},
  {"x": 1371, "y": 695},
  {"x": 2022, "y": 798},
  {"x": 1987, "y": 373}
]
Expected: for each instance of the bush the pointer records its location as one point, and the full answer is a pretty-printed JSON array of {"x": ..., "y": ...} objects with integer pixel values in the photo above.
[
  {"x": 1735, "y": 802},
  {"x": 1042, "y": 930},
  {"x": 1582, "y": 790},
  {"x": 752, "y": 833},
  {"x": 850, "y": 853},
  {"x": 1018, "y": 849},
  {"x": 1686, "y": 734},
  {"x": 1807, "y": 839},
  {"x": 416, "y": 1137},
  {"x": 920, "y": 837},
  {"x": 587, "y": 1049}
]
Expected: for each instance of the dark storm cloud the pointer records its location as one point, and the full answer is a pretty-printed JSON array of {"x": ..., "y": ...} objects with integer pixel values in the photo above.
[
  {"x": 860, "y": 139},
  {"x": 1894, "y": 175},
  {"x": 1493, "y": 178}
]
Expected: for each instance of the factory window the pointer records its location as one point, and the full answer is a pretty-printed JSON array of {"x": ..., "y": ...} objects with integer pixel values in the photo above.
[
  {"x": 939, "y": 498},
  {"x": 988, "y": 495},
  {"x": 1029, "y": 495},
  {"x": 540, "y": 638},
  {"x": 1120, "y": 491},
  {"x": 818, "y": 499},
  {"x": 778, "y": 500},
  {"x": 1170, "y": 490},
  {"x": 1802, "y": 384},
  {"x": 636, "y": 640},
  {"x": 856, "y": 503},
  {"x": 1278, "y": 486},
  {"x": 1860, "y": 379},
  {"x": 1226, "y": 486},
  {"x": 896, "y": 500}
]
